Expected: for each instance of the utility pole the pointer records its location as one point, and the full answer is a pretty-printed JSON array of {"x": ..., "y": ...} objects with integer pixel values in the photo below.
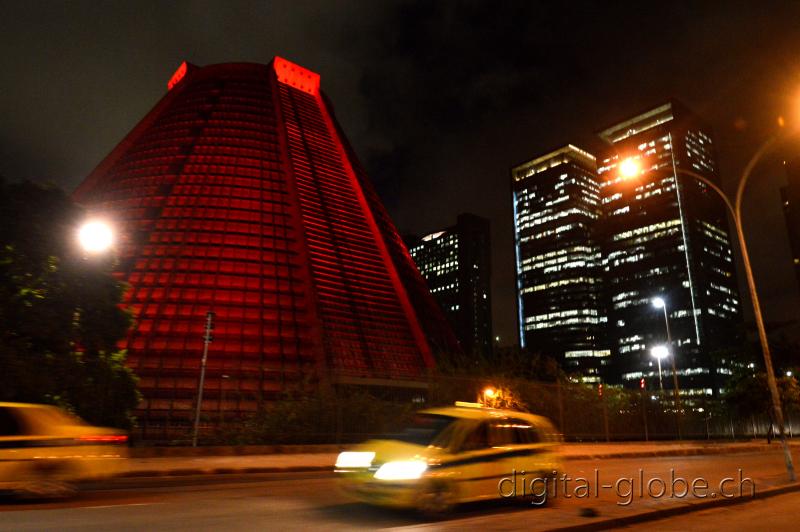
[
  {"x": 675, "y": 389},
  {"x": 207, "y": 339},
  {"x": 643, "y": 393}
]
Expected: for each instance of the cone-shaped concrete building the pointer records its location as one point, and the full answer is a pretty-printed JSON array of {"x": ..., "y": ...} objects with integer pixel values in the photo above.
[{"x": 239, "y": 194}]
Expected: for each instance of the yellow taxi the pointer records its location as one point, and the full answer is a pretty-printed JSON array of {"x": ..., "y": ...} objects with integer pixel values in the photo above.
[
  {"x": 451, "y": 455},
  {"x": 44, "y": 450}
]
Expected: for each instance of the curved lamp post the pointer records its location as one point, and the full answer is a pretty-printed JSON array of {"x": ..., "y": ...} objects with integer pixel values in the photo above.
[{"x": 631, "y": 168}]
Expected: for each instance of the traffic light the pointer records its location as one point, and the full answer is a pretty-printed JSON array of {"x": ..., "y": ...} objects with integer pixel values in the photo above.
[
  {"x": 641, "y": 383},
  {"x": 600, "y": 390}
]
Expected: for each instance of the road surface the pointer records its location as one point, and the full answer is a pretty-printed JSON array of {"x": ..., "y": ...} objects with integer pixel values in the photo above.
[
  {"x": 776, "y": 513},
  {"x": 302, "y": 501}
]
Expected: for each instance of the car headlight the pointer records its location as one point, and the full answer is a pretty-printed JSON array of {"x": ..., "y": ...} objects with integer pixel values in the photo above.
[
  {"x": 352, "y": 459},
  {"x": 401, "y": 470}
]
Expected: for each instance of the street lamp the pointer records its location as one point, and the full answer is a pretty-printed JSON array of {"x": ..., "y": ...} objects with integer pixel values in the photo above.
[
  {"x": 489, "y": 396},
  {"x": 630, "y": 168},
  {"x": 659, "y": 302},
  {"x": 659, "y": 352},
  {"x": 95, "y": 236}
]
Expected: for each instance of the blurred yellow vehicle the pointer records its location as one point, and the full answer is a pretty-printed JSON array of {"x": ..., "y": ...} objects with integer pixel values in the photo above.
[
  {"x": 44, "y": 450},
  {"x": 449, "y": 456}
]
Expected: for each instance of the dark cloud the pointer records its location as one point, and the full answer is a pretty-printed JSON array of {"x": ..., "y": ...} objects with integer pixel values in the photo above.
[{"x": 440, "y": 99}]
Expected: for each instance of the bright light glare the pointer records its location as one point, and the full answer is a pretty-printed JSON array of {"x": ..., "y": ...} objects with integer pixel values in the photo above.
[
  {"x": 658, "y": 302},
  {"x": 350, "y": 459},
  {"x": 95, "y": 236},
  {"x": 489, "y": 392},
  {"x": 401, "y": 470},
  {"x": 629, "y": 168},
  {"x": 659, "y": 351}
]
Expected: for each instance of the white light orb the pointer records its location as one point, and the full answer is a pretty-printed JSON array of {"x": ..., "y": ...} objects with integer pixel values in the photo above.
[
  {"x": 95, "y": 236},
  {"x": 659, "y": 351},
  {"x": 629, "y": 168}
]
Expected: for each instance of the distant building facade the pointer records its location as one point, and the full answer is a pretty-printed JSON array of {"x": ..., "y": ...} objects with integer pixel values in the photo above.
[
  {"x": 790, "y": 197},
  {"x": 456, "y": 263},
  {"x": 556, "y": 201},
  {"x": 666, "y": 238}
]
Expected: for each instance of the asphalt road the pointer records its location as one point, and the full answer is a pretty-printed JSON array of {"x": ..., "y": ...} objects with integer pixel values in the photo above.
[{"x": 312, "y": 500}]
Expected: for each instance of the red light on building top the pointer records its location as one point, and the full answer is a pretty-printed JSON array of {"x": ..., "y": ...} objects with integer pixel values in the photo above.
[
  {"x": 178, "y": 75},
  {"x": 296, "y": 76}
]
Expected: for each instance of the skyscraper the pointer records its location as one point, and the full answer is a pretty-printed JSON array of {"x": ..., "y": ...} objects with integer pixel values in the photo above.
[
  {"x": 790, "y": 197},
  {"x": 556, "y": 210},
  {"x": 668, "y": 238},
  {"x": 456, "y": 263},
  {"x": 238, "y": 194}
]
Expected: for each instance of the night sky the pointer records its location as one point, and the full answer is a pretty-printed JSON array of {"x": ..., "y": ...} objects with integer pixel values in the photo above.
[{"x": 439, "y": 99}]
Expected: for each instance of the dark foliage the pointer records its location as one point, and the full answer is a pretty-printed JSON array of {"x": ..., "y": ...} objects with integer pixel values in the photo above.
[{"x": 60, "y": 318}]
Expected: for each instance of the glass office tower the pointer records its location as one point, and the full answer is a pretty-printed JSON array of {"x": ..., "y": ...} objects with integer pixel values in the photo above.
[
  {"x": 556, "y": 210},
  {"x": 790, "y": 197},
  {"x": 456, "y": 263},
  {"x": 667, "y": 237}
]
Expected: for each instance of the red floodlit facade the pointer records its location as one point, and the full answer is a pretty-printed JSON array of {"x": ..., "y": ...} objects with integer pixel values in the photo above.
[{"x": 239, "y": 194}]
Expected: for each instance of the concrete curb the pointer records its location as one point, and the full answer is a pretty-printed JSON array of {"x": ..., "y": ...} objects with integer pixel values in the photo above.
[
  {"x": 654, "y": 515},
  {"x": 231, "y": 450},
  {"x": 231, "y": 470},
  {"x": 252, "y": 450},
  {"x": 692, "y": 451},
  {"x": 184, "y": 472}
]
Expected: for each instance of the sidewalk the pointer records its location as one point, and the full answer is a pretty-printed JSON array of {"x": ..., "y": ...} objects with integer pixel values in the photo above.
[
  {"x": 765, "y": 470},
  {"x": 242, "y": 463}
]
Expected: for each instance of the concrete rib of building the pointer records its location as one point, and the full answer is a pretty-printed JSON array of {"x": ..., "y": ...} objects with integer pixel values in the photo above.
[{"x": 594, "y": 249}]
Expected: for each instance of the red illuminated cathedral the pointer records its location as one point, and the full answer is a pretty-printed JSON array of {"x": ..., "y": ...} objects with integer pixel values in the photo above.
[{"x": 239, "y": 194}]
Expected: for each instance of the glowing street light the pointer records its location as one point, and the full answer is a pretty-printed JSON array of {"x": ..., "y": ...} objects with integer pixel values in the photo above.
[
  {"x": 95, "y": 236},
  {"x": 629, "y": 167},
  {"x": 659, "y": 352},
  {"x": 488, "y": 396},
  {"x": 658, "y": 302}
]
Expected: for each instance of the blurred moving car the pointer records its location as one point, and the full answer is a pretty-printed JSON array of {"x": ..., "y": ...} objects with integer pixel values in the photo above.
[
  {"x": 44, "y": 450},
  {"x": 449, "y": 456}
]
